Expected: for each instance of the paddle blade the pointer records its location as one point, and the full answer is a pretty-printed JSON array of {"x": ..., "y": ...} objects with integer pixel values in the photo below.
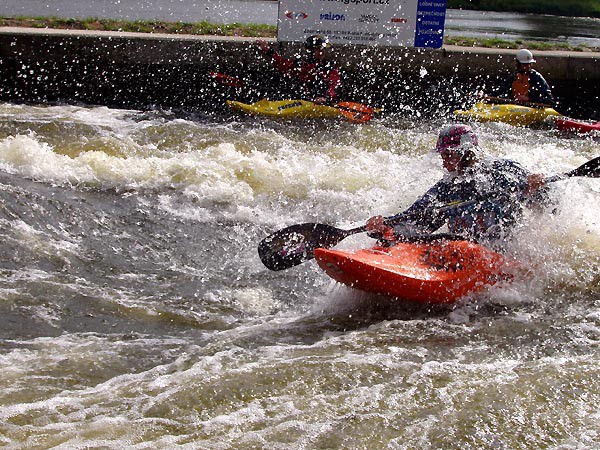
[
  {"x": 355, "y": 112},
  {"x": 295, "y": 244},
  {"x": 589, "y": 169},
  {"x": 227, "y": 80}
]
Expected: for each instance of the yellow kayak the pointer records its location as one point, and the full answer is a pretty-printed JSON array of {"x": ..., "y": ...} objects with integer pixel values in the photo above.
[
  {"x": 512, "y": 114},
  {"x": 289, "y": 109}
]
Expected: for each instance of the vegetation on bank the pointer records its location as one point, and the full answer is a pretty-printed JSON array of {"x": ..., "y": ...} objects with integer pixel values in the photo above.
[
  {"x": 142, "y": 26},
  {"x": 569, "y": 8},
  {"x": 248, "y": 30}
]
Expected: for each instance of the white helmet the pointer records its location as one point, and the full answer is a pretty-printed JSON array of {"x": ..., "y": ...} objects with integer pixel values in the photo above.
[{"x": 524, "y": 56}]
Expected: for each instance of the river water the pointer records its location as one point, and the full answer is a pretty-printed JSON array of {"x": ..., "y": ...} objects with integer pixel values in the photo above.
[
  {"x": 480, "y": 24},
  {"x": 135, "y": 312}
]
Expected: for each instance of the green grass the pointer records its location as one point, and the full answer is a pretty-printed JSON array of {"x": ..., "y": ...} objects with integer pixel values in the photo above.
[
  {"x": 142, "y": 26},
  {"x": 236, "y": 29}
]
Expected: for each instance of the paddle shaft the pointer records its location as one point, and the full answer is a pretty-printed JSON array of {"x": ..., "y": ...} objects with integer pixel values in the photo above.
[
  {"x": 352, "y": 231},
  {"x": 505, "y": 101}
]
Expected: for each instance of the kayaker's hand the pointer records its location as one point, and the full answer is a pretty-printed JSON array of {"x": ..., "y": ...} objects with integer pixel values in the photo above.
[
  {"x": 375, "y": 224},
  {"x": 263, "y": 45},
  {"x": 522, "y": 98},
  {"x": 534, "y": 183},
  {"x": 378, "y": 229}
]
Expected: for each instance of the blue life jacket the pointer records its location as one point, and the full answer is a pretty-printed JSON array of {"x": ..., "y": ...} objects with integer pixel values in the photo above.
[{"x": 498, "y": 185}]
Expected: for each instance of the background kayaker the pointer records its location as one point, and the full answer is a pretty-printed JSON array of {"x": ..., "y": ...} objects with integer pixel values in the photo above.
[
  {"x": 314, "y": 76},
  {"x": 501, "y": 188},
  {"x": 526, "y": 84}
]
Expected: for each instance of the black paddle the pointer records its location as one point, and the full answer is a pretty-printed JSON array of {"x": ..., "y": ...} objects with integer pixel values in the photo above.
[
  {"x": 295, "y": 244},
  {"x": 589, "y": 169}
]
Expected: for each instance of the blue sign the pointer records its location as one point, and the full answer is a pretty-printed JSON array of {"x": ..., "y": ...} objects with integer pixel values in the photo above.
[{"x": 431, "y": 15}]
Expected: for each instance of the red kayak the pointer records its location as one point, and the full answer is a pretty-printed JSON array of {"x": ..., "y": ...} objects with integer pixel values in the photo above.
[
  {"x": 576, "y": 125},
  {"x": 439, "y": 272}
]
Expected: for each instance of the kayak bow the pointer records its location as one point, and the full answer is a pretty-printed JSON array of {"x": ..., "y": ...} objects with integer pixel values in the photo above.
[{"x": 439, "y": 272}]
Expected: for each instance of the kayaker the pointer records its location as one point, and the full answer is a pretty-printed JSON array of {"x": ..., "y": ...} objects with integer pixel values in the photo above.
[
  {"x": 313, "y": 74},
  {"x": 526, "y": 85},
  {"x": 500, "y": 187}
]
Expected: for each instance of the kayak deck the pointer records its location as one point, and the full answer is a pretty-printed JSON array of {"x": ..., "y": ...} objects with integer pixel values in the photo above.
[
  {"x": 440, "y": 272},
  {"x": 512, "y": 114},
  {"x": 291, "y": 109}
]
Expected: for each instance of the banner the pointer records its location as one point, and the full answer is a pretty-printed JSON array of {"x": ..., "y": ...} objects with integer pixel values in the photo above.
[{"x": 408, "y": 23}]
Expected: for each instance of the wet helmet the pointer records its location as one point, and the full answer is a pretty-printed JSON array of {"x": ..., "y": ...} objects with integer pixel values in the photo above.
[
  {"x": 457, "y": 137},
  {"x": 524, "y": 56},
  {"x": 317, "y": 41}
]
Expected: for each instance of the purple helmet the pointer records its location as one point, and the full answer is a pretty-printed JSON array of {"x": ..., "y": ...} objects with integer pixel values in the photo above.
[{"x": 458, "y": 137}]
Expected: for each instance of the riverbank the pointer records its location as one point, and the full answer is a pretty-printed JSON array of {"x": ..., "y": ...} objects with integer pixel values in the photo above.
[{"x": 148, "y": 69}]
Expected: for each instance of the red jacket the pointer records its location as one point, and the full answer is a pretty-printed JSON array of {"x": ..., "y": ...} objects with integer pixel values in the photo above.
[{"x": 316, "y": 78}]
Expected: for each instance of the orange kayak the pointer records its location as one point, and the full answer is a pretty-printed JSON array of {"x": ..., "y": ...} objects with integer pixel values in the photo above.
[{"x": 438, "y": 272}]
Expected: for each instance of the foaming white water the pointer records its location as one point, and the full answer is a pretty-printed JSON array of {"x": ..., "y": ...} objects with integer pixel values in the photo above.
[
  {"x": 277, "y": 174},
  {"x": 392, "y": 383},
  {"x": 95, "y": 116},
  {"x": 38, "y": 241},
  {"x": 263, "y": 174}
]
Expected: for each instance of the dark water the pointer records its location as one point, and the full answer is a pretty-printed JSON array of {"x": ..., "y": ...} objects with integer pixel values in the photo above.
[
  {"x": 134, "y": 312},
  {"x": 530, "y": 27},
  {"x": 509, "y": 26}
]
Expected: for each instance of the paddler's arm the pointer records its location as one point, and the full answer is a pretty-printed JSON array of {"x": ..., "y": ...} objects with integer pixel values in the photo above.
[
  {"x": 542, "y": 92},
  {"x": 532, "y": 191},
  {"x": 281, "y": 64},
  {"x": 333, "y": 82},
  {"x": 265, "y": 47},
  {"x": 382, "y": 228},
  {"x": 535, "y": 182},
  {"x": 422, "y": 217}
]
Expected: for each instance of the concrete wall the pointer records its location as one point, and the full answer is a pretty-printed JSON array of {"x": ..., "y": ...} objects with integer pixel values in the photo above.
[{"x": 138, "y": 70}]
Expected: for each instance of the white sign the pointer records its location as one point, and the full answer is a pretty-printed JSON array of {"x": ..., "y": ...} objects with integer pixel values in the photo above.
[{"x": 409, "y": 23}]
